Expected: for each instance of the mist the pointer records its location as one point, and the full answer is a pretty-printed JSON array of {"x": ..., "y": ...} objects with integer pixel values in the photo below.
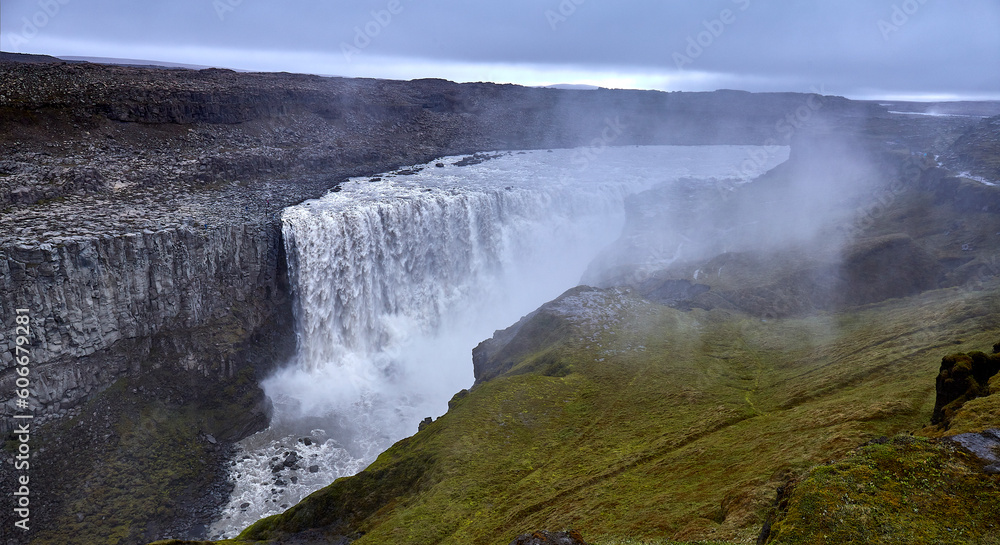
[
  {"x": 397, "y": 278},
  {"x": 774, "y": 247}
]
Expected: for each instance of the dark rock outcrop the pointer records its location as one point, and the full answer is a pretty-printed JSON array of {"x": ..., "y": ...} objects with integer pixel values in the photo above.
[
  {"x": 782, "y": 496},
  {"x": 963, "y": 377}
]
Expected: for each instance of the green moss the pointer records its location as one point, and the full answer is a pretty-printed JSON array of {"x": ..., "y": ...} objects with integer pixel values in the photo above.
[
  {"x": 903, "y": 491},
  {"x": 667, "y": 425},
  {"x": 977, "y": 415}
]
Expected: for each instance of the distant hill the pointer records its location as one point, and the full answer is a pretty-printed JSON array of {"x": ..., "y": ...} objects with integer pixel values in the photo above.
[
  {"x": 576, "y": 86},
  {"x": 972, "y": 108},
  {"x": 140, "y": 63},
  {"x": 6, "y": 56}
]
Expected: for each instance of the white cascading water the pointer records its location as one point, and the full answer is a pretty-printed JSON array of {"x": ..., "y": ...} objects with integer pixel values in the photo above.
[{"x": 397, "y": 278}]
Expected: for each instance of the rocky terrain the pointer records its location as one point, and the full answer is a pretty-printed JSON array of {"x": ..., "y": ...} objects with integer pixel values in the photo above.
[{"x": 139, "y": 227}]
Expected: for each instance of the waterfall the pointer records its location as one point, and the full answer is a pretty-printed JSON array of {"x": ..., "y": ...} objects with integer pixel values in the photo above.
[{"x": 397, "y": 277}]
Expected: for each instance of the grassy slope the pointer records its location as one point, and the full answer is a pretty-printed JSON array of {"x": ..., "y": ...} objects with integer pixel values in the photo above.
[
  {"x": 904, "y": 491},
  {"x": 907, "y": 490},
  {"x": 666, "y": 425}
]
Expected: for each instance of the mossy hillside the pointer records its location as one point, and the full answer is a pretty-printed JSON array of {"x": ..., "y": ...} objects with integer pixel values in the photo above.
[
  {"x": 669, "y": 425},
  {"x": 977, "y": 415},
  {"x": 907, "y": 490}
]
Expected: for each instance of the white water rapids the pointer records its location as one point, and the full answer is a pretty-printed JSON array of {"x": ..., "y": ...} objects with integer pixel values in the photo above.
[{"x": 397, "y": 279}]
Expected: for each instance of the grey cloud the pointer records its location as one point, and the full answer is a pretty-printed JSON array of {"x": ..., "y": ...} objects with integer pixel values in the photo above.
[{"x": 940, "y": 47}]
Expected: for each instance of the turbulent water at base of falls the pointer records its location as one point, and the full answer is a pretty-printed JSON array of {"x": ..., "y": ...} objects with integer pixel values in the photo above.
[{"x": 396, "y": 278}]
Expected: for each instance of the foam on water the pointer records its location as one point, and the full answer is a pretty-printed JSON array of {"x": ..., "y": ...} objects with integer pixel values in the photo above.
[{"x": 396, "y": 279}]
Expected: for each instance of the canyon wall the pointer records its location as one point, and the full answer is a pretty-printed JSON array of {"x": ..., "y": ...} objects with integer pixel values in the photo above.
[{"x": 95, "y": 305}]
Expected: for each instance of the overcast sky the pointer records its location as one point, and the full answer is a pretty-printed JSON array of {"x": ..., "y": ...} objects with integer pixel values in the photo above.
[{"x": 856, "y": 48}]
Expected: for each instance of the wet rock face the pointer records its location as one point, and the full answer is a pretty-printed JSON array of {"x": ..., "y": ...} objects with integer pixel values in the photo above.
[
  {"x": 86, "y": 296},
  {"x": 985, "y": 445}
]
